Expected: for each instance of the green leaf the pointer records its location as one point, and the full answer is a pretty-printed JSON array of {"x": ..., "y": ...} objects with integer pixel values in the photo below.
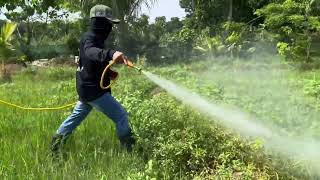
[
  {"x": 5, "y": 38},
  {"x": 7, "y": 31}
]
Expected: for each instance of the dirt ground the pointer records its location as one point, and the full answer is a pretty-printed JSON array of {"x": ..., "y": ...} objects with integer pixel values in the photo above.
[{"x": 14, "y": 67}]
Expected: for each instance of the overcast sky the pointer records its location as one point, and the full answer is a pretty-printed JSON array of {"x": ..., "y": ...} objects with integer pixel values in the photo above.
[{"x": 168, "y": 8}]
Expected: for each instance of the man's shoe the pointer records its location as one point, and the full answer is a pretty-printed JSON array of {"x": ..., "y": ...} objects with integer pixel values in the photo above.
[
  {"x": 56, "y": 145},
  {"x": 128, "y": 141}
]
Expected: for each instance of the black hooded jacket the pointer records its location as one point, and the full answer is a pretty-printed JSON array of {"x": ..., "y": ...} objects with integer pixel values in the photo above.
[{"x": 93, "y": 59}]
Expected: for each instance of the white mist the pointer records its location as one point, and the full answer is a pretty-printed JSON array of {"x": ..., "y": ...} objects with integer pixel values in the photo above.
[{"x": 307, "y": 150}]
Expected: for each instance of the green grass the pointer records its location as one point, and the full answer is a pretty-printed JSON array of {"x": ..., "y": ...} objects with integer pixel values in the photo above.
[
  {"x": 178, "y": 142},
  {"x": 93, "y": 150}
]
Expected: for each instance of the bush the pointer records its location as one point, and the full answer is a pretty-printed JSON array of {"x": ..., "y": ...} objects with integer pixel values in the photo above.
[
  {"x": 73, "y": 44},
  {"x": 208, "y": 45},
  {"x": 48, "y": 51},
  {"x": 295, "y": 51},
  {"x": 177, "y": 46},
  {"x": 183, "y": 143}
]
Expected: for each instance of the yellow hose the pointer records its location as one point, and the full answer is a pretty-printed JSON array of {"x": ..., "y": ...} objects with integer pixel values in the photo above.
[
  {"x": 37, "y": 109},
  {"x": 64, "y": 106},
  {"x": 103, "y": 75}
]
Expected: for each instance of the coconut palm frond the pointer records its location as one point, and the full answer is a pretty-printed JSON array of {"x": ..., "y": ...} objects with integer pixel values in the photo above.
[
  {"x": 201, "y": 49},
  {"x": 129, "y": 7},
  {"x": 149, "y": 3},
  {"x": 7, "y": 31}
]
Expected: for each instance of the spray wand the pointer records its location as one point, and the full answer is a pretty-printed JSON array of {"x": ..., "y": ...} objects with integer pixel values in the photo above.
[{"x": 130, "y": 64}]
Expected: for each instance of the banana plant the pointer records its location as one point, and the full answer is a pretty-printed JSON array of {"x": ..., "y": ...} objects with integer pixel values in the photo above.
[
  {"x": 6, "y": 48},
  {"x": 209, "y": 45}
]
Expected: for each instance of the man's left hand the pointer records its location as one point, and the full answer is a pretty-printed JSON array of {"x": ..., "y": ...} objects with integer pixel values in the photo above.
[{"x": 119, "y": 58}]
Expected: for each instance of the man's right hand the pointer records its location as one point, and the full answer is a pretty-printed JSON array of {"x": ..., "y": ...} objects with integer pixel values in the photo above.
[{"x": 119, "y": 58}]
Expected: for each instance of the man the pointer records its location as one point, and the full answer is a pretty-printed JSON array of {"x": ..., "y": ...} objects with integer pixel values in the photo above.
[{"x": 93, "y": 59}]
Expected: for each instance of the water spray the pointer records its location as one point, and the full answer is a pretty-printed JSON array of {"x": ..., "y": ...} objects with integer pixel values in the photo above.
[{"x": 305, "y": 150}]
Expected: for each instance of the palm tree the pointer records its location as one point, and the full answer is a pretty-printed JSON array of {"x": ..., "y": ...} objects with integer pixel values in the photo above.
[
  {"x": 127, "y": 8},
  {"x": 130, "y": 7},
  {"x": 6, "y": 48}
]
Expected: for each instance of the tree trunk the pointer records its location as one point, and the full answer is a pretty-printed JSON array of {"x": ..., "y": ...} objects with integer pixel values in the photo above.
[
  {"x": 26, "y": 43},
  {"x": 308, "y": 59},
  {"x": 123, "y": 30},
  {"x": 4, "y": 75},
  {"x": 2, "y": 67},
  {"x": 308, "y": 32},
  {"x": 29, "y": 32},
  {"x": 193, "y": 5},
  {"x": 230, "y": 10},
  {"x": 45, "y": 27}
]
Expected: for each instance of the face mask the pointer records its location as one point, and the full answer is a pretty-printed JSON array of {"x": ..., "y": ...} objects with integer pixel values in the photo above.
[
  {"x": 103, "y": 33},
  {"x": 102, "y": 27}
]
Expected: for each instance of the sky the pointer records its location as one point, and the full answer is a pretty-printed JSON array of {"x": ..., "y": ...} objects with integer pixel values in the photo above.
[{"x": 167, "y": 8}]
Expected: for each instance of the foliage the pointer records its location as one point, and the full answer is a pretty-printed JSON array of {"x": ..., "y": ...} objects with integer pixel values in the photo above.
[
  {"x": 73, "y": 44},
  {"x": 182, "y": 142},
  {"x": 219, "y": 27},
  {"x": 178, "y": 45},
  {"x": 32, "y": 10},
  {"x": 149, "y": 39},
  {"x": 212, "y": 46},
  {"x": 6, "y": 48},
  {"x": 48, "y": 51},
  {"x": 202, "y": 13},
  {"x": 176, "y": 141},
  {"x": 295, "y": 22},
  {"x": 231, "y": 39}
]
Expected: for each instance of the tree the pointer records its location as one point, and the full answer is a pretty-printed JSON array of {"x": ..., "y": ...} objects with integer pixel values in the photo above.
[
  {"x": 159, "y": 26},
  {"x": 5, "y": 47},
  {"x": 293, "y": 22},
  {"x": 203, "y": 13},
  {"x": 174, "y": 25},
  {"x": 31, "y": 12},
  {"x": 127, "y": 8}
]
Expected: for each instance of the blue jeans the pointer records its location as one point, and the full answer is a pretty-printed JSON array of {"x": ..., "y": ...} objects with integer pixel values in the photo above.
[{"x": 105, "y": 104}]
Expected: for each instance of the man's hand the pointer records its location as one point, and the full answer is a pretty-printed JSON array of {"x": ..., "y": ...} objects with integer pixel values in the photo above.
[{"x": 119, "y": 58}]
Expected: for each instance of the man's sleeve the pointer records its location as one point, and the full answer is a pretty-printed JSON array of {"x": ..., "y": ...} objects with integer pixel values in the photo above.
[{"x": 97, "y": 54}]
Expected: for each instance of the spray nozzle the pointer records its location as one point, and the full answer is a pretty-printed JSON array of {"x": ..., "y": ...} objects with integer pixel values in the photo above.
[
  {"x": 138, "y": 68},
  {"x": 130, "y": 64}
]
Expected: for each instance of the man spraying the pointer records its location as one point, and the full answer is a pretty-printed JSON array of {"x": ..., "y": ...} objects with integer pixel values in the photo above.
[{"x": 93, "y": 59}]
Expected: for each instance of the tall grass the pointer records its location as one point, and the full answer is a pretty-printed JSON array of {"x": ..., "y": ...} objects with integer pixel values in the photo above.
[
  {"x": 174, "y": 141},
  {"x": 92, "y": 152}
]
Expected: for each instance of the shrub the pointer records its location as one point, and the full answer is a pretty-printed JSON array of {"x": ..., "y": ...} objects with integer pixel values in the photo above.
[
  {"x": 177, "y": 46},
  {"x": 48, "y": 51},
  {"x": 73, "y": 44}
]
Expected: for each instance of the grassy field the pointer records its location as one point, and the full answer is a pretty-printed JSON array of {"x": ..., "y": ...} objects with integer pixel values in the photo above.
[
  {"x": 93, "y": 151},
  {"x": 177, "y": 141}
]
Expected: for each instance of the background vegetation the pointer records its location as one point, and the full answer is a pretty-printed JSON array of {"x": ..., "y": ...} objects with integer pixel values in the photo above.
[{"x": 217, "y": 28}]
